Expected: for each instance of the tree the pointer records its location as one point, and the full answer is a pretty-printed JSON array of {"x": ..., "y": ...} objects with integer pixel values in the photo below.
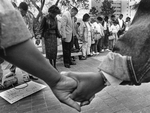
[
  {"x": 94, "y": 11},
  {"x": 106, "y": 8},
  {"x": 75, "y": 3}
]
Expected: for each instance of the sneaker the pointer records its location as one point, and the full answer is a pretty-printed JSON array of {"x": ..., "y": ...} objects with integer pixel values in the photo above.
[
  {"x": 108, "y": 50},
  {"x": 102, "y": 50},
  {"x": 83, "y": 58},
  {"x": 94, "y": 53},
  {"x": 97, "y": 53}
]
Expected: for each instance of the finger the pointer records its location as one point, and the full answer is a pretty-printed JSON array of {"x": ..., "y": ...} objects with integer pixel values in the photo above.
[
  {"x": 87, "y": 102},
  {"x": 92, "y": 98},
  {"x": 84, "y": 103},
  {"x": 72, "y": 104},
  {"x": 74, "y": 95}
]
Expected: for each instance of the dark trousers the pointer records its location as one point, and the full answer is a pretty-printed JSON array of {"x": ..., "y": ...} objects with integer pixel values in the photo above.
[
  {"x": 100, "y": 44},
  {"x": 106, "y": 41},
  {"x": 72, "y": 42},
  {"x": 76, "y": 43},
  {"x": 66, "y": 52}
]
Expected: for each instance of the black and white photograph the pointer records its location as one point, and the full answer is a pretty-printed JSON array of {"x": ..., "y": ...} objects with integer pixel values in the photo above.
[{"x": 74, "y": 56}]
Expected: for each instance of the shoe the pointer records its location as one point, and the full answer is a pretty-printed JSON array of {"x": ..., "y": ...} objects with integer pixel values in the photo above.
[
  {"x": 94, "y": 53},
  {"x": 107, "y": 50},
  {"x": 97, "y": 53},
  {"x": 102, "y": 50},
  {"x": 67, "y": 65},
  {"x": 89, "y": 55},
  {"x": 83, "y": 58},
  {"x": 73, "y": 58},
  {"x": 72, "y": 63},
  {"x": 75, "y": 50}
]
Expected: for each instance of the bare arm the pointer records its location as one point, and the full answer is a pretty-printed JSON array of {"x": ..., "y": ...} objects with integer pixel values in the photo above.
[{"x": 26, "y": 56}]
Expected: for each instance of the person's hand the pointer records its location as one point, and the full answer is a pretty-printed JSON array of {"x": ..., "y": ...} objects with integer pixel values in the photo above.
[
  {"x": 38, "y": 36},
  {"x": 89, "y": 83},
  {"x": 63, "y": 39},
  {"x": 63, "y": 90}
]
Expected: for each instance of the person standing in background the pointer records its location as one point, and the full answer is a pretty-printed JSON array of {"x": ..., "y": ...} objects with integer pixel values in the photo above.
[
  {"x": 86, "y": 35},
  {"x": 106, "y": 32},
  {"x": 101, "y": 31},
  {"x": 114, "y": 28},
  {"x": 121, "y": 25},
  {"x": 49, "y": 31},
  {"x": 127, "y": 23},
  {"x": 93, "y": 37},
  {"x": 67, "y": 27},
  {"x": 28, "y": 17},
  {"x": 76, "y": 32}
]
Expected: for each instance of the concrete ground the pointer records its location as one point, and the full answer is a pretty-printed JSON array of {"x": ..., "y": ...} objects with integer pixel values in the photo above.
[{"x": 118, "y": 99}]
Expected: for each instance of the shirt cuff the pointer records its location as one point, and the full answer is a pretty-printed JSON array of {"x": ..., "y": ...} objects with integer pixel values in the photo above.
[
  {"x": 110, "y": 80},
  {"x": 115, "y": 65}
]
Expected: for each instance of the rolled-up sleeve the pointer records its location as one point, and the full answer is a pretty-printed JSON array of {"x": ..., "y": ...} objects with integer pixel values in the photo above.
[
  {"x": 13, "y": 29},
  {"x": 114, "y": 68}
]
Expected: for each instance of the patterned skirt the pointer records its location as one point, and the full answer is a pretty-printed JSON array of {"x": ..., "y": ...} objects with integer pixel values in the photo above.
[{"x": 51, "y": 46}]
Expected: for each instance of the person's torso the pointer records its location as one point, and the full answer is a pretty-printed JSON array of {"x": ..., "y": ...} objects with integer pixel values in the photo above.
[
  {"x": 69, "y": 23},
  {"x": 51, "y": 25}
]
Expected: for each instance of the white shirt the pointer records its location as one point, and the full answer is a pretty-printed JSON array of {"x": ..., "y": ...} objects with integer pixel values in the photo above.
[
  {"x": 99, "y": 28},
  {"x": 120, "y": 23},
  {"x": 106, "y": 25},
  {"x": 114, "y": 28}
]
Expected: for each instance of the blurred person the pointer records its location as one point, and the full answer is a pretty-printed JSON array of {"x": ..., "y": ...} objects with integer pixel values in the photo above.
[
  {"x": 49, "y": 31},
  {"x": 67, "y": 27},
  {"x": 96, "y": 36},
  {"x": 27, "y": 16},
  {"x": 92, "y": 21},
  {"x": 86, "y": 34},
  {"x": 76, "y": 32},
  {"x": 114, "y": 28},
  {"x": 121, "y": 25},
  {"x": 101, "y": 38},
  {"x": 106, "y": 25},
  {"x": 127, "y": 23}
]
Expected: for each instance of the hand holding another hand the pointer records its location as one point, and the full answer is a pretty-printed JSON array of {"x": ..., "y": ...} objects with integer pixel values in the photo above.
[
  {"x": 63, "y": 89},
  {"x": 89, "y": 83}
]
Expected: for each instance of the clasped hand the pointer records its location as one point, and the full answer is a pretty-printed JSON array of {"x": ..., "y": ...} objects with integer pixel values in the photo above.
[{"x": 77, "y": 87}]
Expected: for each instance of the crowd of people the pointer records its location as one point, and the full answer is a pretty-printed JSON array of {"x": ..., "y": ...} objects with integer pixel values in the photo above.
[{"x": 91, "y": 35}]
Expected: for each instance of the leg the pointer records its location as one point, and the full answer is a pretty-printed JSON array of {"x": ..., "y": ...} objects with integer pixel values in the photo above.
[
  {"x": 54, "y": 62},
  {"x": 76, "y": 43},
  {"x": 99, "y": 45},
  {"x": 51, "y": 62},
  {"x": 89, "y": 46},
  {"x": 66, "y": 53}
]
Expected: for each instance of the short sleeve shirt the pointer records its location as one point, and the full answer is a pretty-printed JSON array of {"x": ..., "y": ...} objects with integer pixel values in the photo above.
[{"x": 13, "y": 29}]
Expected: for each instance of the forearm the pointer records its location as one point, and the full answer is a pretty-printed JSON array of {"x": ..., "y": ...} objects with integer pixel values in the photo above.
[{"x": 27, "y": 57}]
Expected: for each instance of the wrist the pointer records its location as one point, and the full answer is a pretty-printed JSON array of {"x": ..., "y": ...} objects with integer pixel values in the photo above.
[{"x": 52, "y": 77}]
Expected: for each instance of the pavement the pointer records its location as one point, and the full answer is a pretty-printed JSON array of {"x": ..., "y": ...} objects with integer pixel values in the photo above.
[{"x": 112, "y": 99}]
